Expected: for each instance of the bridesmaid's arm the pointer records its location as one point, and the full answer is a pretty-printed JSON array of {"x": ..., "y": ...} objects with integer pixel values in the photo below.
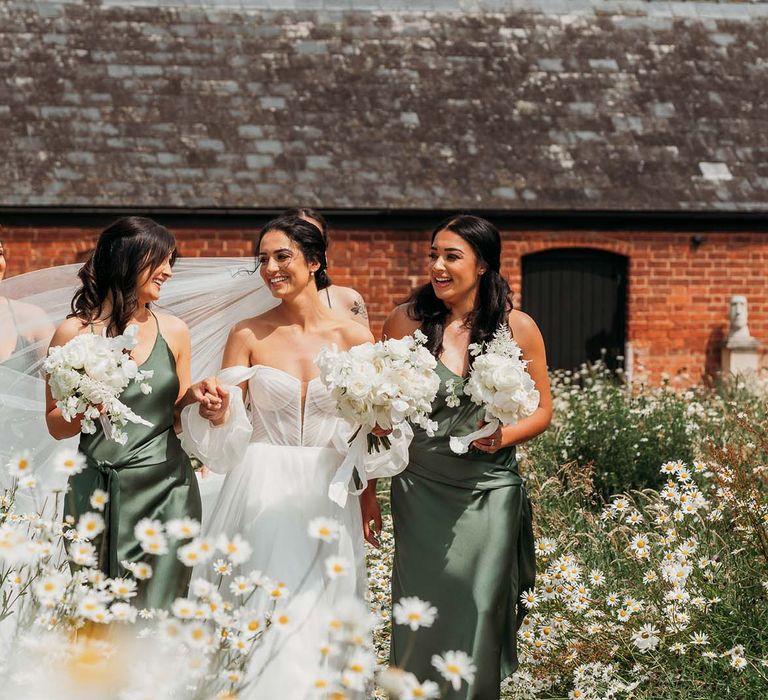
[
  {"x": 176, "y": 333},
  {"x": 59, "y": 428},
  {"x": 528, "y": 337},
  {"x": 397, "y": 325}
]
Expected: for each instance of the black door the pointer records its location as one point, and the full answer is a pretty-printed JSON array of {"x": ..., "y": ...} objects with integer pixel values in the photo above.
[{"x": 578, "y": 298}]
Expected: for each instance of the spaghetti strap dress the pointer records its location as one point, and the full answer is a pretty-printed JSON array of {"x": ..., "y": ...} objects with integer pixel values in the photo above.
[
  {"x": 149, "y": 477},
  {"x": 464, "y": 542}
]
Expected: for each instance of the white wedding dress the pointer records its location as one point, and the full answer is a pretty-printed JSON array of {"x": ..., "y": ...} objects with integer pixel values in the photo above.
[{"x": 279, "y": 459}]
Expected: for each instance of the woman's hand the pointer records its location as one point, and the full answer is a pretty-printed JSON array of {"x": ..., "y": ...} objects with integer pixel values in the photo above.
[
  {"x": 369, "y": 506},
  {"x": 213, "y": 399},
  {"x": 489, "y": 444}
]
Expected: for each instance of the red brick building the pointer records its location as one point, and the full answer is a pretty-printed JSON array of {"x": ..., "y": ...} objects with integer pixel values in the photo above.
[{"x": 622, "y": 148}]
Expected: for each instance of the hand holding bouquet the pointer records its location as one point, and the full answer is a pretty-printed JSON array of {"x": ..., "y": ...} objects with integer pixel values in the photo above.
[
  {"x": 498, "y": 381},
  {"x": 384, "y": 385},
  {"x": 89, "y": 373}
]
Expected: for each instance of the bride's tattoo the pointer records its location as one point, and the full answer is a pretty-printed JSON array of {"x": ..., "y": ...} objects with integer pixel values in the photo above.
[{"x": 358, "y": 308}]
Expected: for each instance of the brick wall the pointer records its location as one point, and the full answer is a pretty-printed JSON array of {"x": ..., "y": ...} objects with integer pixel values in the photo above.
[{"x": 678, "y": 296}]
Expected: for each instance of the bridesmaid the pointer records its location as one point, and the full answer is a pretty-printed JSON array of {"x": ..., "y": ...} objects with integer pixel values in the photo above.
[
  {"x": 462, "y": 523},
  {"x": 344, "y": 300},
  {"x": 150, "y": 476},
  {"x": 23, "y": 327}
]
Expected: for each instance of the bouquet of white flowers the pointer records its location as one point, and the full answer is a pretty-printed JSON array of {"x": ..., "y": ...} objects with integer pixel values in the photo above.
[
  {"x": 91, "y": 371},
  {"x": 500, "y": 382},
  {"x": 384, "y": 384}
]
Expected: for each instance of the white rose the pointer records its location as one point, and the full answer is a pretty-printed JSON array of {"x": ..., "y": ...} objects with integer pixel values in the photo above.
[{"x": 74, "y": 353}]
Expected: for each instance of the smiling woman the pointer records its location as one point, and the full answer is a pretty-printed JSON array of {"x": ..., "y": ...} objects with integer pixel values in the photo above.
[{"x": 149, "y": 476}]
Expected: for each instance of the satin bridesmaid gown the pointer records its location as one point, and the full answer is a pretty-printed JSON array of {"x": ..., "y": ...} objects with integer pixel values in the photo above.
[
  {"x": 463, "y": 542},
  {"x": 148, "y": 477}
]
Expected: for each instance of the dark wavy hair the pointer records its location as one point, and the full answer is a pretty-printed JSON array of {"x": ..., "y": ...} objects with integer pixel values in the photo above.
[
  {"x": 125, "y": 249},
  {"x": 307, "y": 237},
  {"x": 307, "y": 213},
  {"x": 494, "y": 298}
]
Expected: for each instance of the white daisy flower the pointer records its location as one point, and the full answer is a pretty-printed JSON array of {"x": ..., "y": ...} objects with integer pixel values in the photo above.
[
  {"x": 122, "y": 588},
  {"x": 148, "y": 529},
  {"x": 82, "y": 553},
  {"x": 69, "y": 462},
  {"x": 90, "y": 525},
  {"x": 414, "y": 612},
  {"x": 325, "y": 529},
  {"x": 241, "y": 585},
  {"x": 99, "y": 499},
  {"x": 140, "y": 570},
  {"x": 529, "y": 598},
  {"x": 183, "y": 608},
  {"x": 337, "y": 566},
  {"x": 123, "y": 612},
  {"x": 646, "y": 638},
  {"x": 154, "y": 545},
  {"x": 455, "y": 667},
  {"x": 237, "y": 549},
  {"x": 50, "y": 588},
  {"x": 20, "y": 465},
  {"x": 250, "y": 623},
  {"x": 222, "y": 567},
  {"x": 201, "y": 588},
  {"x": 182, "y": 528}
]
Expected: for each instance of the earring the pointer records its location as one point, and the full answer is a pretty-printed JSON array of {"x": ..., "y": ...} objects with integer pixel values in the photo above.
[{"x": 312, "y": 272}]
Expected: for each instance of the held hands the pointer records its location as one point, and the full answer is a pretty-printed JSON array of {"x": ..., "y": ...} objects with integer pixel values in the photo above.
[
  {"x": 213, "y": 400},
  {"x": 489, "y": 444}
]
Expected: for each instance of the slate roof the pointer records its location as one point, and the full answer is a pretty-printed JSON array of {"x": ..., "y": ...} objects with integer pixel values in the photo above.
[{"x": 385, "y": 104}]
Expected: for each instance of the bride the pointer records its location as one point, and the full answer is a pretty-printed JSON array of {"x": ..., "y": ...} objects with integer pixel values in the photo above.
[{"x": 272, "y": 427}]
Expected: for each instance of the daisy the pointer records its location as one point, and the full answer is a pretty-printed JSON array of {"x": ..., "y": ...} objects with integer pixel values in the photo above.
[
  {"x": 155, "y": 545},
  {"x": 51, "y": 588},
  {"x": 337, "y": 566},
  {"x": 123, "y": 588},
  {"x": 325, "y": 529},
  {"x": 99, "y": 499},
  {"x": 20, "y": 465},
  {"x": 69, "y": 462},
  {"x": 237, "y": 549},
  {"x": 242, "y": 585},
  {"x": 222, "y": 568},
  {"x": 646, "y": 638},
  {"x": 90, "y": 525},
  {"x": 83, "y": 554},
  {"x": 530, "y": 599},
  {"x": 148, "y": 529},
  {"x": 183, "y": 608},
  {"x": 123, "y": 612},
  {"x": 639, "y": 546},
  {"x": 140, "y": 570},
  {"x": 455, "y": 667},
  {"x": 358, "y": 670},
  {"x": 183, "y": 528},
  {"x": 414, "y": 612},
  {"x": 251, "y": 623}
]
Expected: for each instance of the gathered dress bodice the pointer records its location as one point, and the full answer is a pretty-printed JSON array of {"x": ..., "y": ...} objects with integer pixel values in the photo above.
[{"x": 278, "y": 416}]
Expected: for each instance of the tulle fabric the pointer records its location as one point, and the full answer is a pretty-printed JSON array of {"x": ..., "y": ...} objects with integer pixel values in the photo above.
[{"x": 279, "y": 460}]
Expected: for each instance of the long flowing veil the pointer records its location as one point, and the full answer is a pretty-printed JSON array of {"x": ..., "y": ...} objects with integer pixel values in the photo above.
[{"x": 210, "y": 294}]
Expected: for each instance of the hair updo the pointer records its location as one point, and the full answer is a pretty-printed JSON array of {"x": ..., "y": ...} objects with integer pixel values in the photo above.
[
  {"x": 494, "y": 297},
  {"x": 125, "y": 249},
  {"x": 307, "y": 213},
  {"x": 309, "y": 240}
]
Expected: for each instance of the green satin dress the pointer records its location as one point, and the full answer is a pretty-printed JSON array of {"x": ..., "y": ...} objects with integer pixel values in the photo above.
[
  {"x": 148, "y": 477},
  {"x": 463, "y": 542}
]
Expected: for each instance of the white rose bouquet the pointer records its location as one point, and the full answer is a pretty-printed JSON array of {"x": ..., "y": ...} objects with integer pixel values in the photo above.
[
  {"x": 500, "y": 382},
  {"x": 91, "y": 371},
  {"x": 385, "y": 384}
]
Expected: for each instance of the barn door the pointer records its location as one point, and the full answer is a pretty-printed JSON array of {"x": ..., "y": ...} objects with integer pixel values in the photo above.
[{"x": 578, "y": 297}]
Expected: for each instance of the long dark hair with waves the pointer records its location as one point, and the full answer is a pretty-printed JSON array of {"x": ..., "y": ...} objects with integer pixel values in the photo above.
[
  {"x": 494, "y": 298},
  {"x": 125, "y": 249}
]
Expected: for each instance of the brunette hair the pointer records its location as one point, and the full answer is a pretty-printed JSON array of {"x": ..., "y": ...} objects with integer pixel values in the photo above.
[
  {"x": 308, "y": 238},
  {"x": 307, "y": 213},
  {"x": 125, "y": 250},
  {"x": 494, "y": 298}
]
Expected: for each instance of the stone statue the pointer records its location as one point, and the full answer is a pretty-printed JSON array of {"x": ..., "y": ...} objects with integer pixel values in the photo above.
[
  {"x": 739, "y": 316},
  {"x": 740, "y": 351}
]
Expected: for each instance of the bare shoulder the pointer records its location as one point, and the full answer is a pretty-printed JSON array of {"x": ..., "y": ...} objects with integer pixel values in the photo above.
[
  {"x": 353, "y": 333},
  {"x": 344, "y": 295},
  {"x": 172, "y": 325},
  {"x": 28, "y": 311},
  {"x": 399, "y": 323},
  {"x": 67, "y": 330},
  {"x": 524, "y": 328}
]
